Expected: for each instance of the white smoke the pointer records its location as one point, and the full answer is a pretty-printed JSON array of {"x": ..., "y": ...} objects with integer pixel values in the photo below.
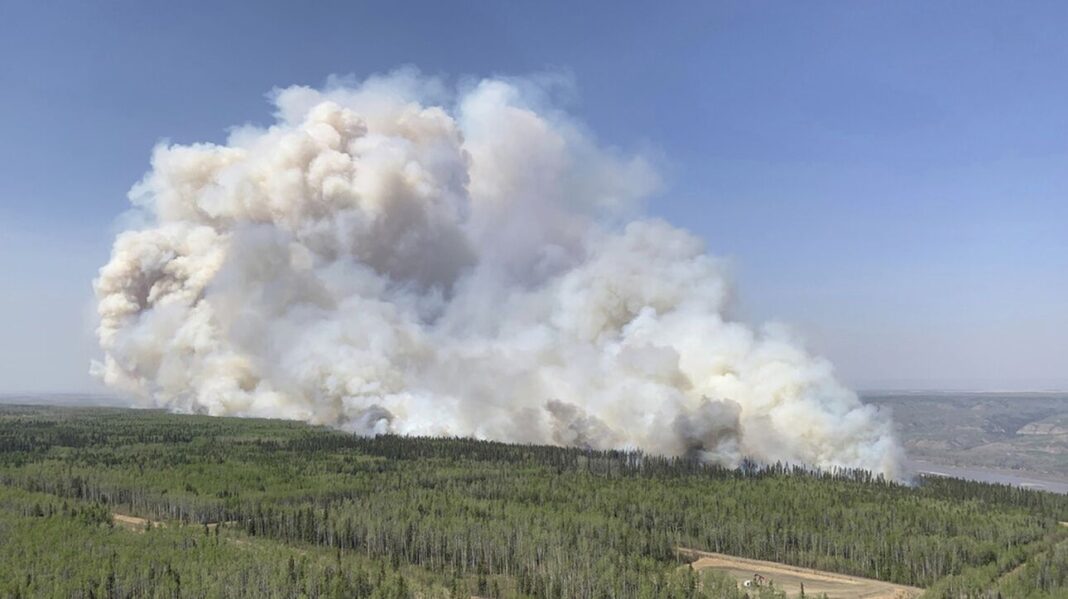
[{"x": 378, "y": 261}]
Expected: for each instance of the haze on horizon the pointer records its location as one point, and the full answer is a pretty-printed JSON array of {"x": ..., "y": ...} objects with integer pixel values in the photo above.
[{"x": 875, "y": 182}]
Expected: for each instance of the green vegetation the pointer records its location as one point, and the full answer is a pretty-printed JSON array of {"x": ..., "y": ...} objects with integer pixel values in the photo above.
[{"x": 260, "y": 508}]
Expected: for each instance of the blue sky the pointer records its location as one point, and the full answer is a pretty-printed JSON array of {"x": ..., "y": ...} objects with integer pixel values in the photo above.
[{"x": 888, "y": 177}]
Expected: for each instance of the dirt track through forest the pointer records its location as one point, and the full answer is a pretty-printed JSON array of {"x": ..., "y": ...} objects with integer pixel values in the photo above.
[
  {"x": 790, "y": 578},
  {"x": 786, "y": 578},
  {"x": 133, "y": 522},
  {"x": 139, "y": 524}
]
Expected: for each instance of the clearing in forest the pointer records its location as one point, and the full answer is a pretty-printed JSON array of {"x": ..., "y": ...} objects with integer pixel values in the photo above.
[
  {"x": 790, "y": 578},
  {"x": 133, "y": 522},
  {"x": 138, "y": 524}
]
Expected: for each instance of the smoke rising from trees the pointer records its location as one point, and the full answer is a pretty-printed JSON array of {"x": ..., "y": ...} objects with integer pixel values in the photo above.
[{"x": 391, "y": 256}]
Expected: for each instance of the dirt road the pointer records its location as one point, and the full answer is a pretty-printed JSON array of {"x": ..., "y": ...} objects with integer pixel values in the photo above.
[
  {"x": 790, "y": 578},
  {"x": 137, "y": 523},
  {"x": 786, "y": 578},
  {"x": 133, "y": 522}
]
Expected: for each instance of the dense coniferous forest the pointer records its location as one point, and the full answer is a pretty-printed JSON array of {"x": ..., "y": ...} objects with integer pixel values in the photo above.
[{"x": 264, "y": 508}]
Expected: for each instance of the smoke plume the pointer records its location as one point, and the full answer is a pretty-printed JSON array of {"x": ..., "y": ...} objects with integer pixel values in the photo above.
[{"x": 392, "y": 257}]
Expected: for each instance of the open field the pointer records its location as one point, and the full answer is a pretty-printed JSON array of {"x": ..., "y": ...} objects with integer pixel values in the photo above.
[{"x": 792, "y": 580}]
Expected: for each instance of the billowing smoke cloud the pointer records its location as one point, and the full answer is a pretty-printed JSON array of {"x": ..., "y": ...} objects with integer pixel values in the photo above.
[{"x": 391, "y": 257}]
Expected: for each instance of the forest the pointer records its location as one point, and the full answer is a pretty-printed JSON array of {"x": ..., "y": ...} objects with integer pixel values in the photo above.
[{"x": 270, "y": 508}]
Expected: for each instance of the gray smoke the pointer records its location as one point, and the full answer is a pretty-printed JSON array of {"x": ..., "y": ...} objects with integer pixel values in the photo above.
[{"x": 389, "y": 257}]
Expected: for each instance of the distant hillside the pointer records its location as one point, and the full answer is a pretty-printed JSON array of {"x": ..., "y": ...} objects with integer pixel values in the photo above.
[{"x": 1025, "y": 432}]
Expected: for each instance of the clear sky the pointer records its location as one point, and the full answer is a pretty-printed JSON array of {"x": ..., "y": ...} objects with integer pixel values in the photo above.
[{"x": 888, "y": 177}]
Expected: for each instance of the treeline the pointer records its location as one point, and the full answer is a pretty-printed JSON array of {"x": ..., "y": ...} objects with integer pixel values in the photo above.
[
  {"x": 52, "y": 548},
  {"x": 502, "y": 520},
  {"x": 59, "y": 548}
]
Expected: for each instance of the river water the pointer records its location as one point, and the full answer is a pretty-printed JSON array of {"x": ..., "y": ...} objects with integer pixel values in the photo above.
[{"x": 985, "y": 475}]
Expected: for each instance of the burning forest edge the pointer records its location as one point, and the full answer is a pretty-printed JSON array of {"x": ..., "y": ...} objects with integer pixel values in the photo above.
[{"x": 388, "y": 255}]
